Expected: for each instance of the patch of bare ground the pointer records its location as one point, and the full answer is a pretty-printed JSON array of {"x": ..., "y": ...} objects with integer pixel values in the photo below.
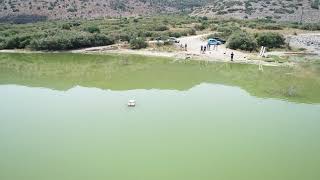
[{"x": 307, "y": 41}]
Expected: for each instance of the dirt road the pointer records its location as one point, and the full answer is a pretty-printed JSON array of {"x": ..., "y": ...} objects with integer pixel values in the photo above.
[{"x": 221, "y": 53}]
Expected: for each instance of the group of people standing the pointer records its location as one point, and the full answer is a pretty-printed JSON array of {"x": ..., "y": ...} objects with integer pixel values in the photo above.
[
  {"x": 185, "y": 47},
  {"x": 203, "y": 50},
  {"x": 207, "y": 47}
]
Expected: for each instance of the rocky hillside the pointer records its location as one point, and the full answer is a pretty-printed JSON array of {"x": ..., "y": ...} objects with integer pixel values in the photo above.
[
  {"x": 67, "y": 9},
  {"x": 30, "y": 10},
  {"x": 282, "y": 10}
]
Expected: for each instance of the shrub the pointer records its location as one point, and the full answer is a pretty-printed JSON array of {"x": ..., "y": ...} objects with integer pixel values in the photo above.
[
  {"x": 175, "y": 34},
  {"x": 92, "y": 29},
  {"x": 16, "y": 41},
  {"x": 252, "y": 25},
  {"x": 75, "y": 23},
  {"x": 270, "y": 39},
  {"x": 204, "y": 18},
  {"x": 242, "y": 40},
  {"x": 161, "y": 28},
  {"x": 72, "y": 9},
  {"x": 222, "y": 12},
  {"x": 100, "y": 40},
  {"x": 192, "y": 31},
  {"x": 214, "y": 27},
  {"x": 124, "y": 37},
  {"x": 226, "y": 31},
  {"x": 65, "y": 40},
  {"x": 2, "y": 43},
  {"x": 66, "y": 26},
  {"x": 283, "y": 11},
  {"x": 200, "y": 27},
  {"x": 138, "y": 43},
  {"x": 270, "y": 26},
  {"x": 135, "y": 20},
  {"x": 145, "y": 34},
  {"x": 11, "y": 43}
]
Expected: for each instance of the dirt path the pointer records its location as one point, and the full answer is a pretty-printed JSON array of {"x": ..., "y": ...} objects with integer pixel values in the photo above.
[{"x": 221, "y": 53}]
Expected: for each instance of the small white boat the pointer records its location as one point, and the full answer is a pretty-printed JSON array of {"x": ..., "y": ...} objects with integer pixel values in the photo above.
[{"x": 131, "y": 103}]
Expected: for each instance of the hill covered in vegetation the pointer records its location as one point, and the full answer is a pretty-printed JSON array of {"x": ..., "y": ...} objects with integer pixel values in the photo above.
[
  {"x": 281, "y": 10},
  {"x": 25, "y": 10},
  {"x": 32, "y": 10}
]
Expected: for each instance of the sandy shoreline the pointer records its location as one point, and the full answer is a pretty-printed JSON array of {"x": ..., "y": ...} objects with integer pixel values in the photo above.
[
  {"x": 222, "y": 54},
  {"x": 175, "y": 55}
]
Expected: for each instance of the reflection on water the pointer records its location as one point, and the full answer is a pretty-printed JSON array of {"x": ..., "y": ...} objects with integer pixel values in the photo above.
[
  {"x": 64, "y": 71},
  {"x": 64, "y": 116}
]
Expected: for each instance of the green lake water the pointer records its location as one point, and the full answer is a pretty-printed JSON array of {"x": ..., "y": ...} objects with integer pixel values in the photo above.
[{"x": 64, "y": 117}]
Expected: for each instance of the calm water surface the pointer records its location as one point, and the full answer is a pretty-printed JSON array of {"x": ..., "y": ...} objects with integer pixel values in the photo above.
[{"x": 65, "y": 117}]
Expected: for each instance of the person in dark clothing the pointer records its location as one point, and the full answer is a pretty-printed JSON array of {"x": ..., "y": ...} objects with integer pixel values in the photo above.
[
  {"x": 201, "y": 48},
  {"x": 185, "y": 47},
  {"x": 205, "y": 48},
  {"x": 232, "y": 56}
]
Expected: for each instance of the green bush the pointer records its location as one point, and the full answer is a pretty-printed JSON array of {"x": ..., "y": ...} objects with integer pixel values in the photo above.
[
  {"x": 138, "y": 43},
  {"x": 270, "y": 39},
  {"x": 204, "y": 18},
  {"x": 124, "y": 37},
  {"x": 200, "y": 27},
  {"x": 161, "y": 28},
  {"x": 16, "y": 41},
  {"x": 175, "y": 34},
  {"x": 2, "y": 43},
  {"x": 226, "y": 31},
  {"x": 92, "y": 29},
  {"x": 148, "y": 34},
  {"x": 252, "y": 25},
  {"x": 11, "y": 42},
  {"x": 270, "y": 26},
  {"x": 192, "y": 31},
  {"x": 66, "y": 40},
  {"x": 66, "y": 26},
  {"x": 242, "y": 40}
]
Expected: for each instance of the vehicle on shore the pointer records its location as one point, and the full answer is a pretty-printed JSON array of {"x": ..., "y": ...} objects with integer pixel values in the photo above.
[
  {"x": 212, "y": 41},
  {"x": 173, "y": 39},
  {"x": 169, "y": 40},
  {"x": 219, "y": 39}
]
